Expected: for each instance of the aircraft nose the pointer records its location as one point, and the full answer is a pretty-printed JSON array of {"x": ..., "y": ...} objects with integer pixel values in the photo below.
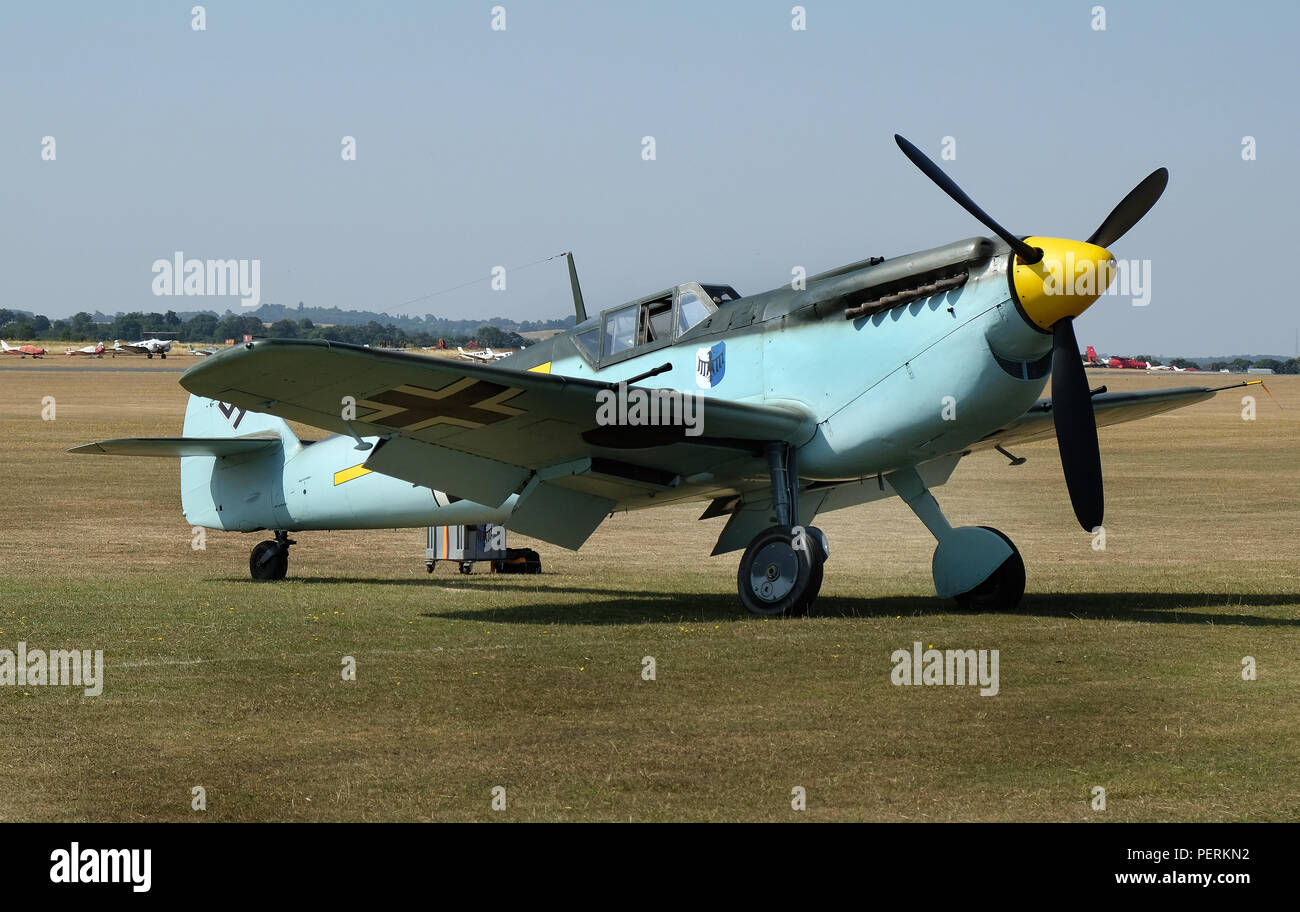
[{"x": 1064, "y": 283}]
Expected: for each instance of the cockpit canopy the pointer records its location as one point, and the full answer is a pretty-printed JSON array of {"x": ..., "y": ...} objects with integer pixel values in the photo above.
[{"x": 652, "y": 321}]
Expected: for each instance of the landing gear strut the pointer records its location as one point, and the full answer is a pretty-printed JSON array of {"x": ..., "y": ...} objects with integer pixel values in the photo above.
[
  {"x": 781, "y": 570},
  {"x": 977, "y": 566},
  {"x": 270, "y": 559}
]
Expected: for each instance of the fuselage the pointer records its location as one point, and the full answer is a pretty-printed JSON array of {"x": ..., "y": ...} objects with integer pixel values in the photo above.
[
  {"x": 892, "y": 388},
  {"x": 895, "y": 388}
]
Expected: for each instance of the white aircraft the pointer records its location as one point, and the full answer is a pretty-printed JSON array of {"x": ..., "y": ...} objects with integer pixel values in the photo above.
[
  {"x": 202, "y": 351},
  {"x": 146, "y": 347},
  {"x": 90, "y": 351},
  {"x": 485, "y": 354}
]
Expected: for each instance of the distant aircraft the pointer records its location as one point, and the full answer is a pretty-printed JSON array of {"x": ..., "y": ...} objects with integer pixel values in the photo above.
[
  {"x": 22, "y": 350},
  {"x": 1092, "y": 359},
  {"x": 484, "y": 355},
  {"x": 90, "y": 351},
  {"x": 146, "y": 347},
  {"x": 202, "y": 351}
]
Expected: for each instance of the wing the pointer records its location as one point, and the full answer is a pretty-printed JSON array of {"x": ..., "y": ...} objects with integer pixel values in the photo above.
[
  {"x": 1109, "y": 408},
  {"x": 178, "y": 446},
  {"x": 485, "y": 431}
]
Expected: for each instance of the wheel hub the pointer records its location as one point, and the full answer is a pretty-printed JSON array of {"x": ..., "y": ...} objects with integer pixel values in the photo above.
[{"x": 776, "y": 571}]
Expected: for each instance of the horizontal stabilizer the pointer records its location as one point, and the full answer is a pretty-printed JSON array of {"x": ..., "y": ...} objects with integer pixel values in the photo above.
[{"x": 178, "y": 446}]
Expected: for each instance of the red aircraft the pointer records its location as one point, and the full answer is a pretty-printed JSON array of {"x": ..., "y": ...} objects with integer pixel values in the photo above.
[
  {"x": 1095, "y": 360},
  {"x": 23, "y": 350}
]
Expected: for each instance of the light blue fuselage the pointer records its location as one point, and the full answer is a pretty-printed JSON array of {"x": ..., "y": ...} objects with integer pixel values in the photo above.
[{"x": 884, "y": 392}]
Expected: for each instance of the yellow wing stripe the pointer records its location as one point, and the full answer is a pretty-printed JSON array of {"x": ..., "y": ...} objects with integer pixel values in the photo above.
[
  {"x": 348, "y": 474},
  {"x": 542, "y": 368}
]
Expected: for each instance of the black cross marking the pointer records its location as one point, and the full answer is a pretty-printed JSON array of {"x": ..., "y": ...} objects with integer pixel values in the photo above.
[{"x": 466, "y": 403}]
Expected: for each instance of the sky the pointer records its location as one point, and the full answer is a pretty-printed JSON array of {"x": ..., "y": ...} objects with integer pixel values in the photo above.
[{"x": 773, "y": 149}]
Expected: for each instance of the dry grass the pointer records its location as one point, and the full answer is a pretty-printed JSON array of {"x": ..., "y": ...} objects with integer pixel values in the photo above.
[{"x": 1122, "y": 669}]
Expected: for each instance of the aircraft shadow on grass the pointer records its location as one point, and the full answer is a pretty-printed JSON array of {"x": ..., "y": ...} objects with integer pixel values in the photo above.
[
  {"x": 623, "y": 606},
  {"x": 629, "y": 606}
]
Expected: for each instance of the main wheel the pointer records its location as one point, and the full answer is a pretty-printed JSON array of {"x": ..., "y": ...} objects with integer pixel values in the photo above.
[
  {"x": 774, "y": 577},
  {"x": 269, "y": 561},
  {"x": 1004, "y": 587}
]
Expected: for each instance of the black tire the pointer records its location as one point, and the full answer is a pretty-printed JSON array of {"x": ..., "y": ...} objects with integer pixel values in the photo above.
[
  {"x": 814, "y": 537},
  {"x": 774, "y": 577},
  {"x": 532, "y": 561},
  {"x": 1005, "y": 586},
  {"x": 466, "y": 567},
  {"x": 268, "y": 562}
]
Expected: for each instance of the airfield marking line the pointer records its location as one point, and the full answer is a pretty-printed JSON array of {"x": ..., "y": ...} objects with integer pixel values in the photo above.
[{"x": 298, "y": 655}]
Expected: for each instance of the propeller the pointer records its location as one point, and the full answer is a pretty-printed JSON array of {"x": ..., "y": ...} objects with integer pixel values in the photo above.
[
  {"x": 1131, "y": 209},
  {"x": 1026, "y": 253},
  {"x": 1072, "y": 414},
  {"x": 1076, "y": 427}
]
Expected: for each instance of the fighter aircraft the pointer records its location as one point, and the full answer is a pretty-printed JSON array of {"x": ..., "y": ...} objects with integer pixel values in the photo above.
[
  {"x": 146, "y": 347},
  {"x": 204, "y": 352},
  {"x": 871, "y": 380},
  {"x": 90, "y": 351},
  {"x": 34, "y": 351}
]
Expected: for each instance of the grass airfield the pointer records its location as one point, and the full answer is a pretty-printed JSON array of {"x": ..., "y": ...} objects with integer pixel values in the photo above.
[{"x": 1121, "y": 669}]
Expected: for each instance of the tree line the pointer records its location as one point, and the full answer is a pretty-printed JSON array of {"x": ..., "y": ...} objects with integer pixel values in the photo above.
[{"x": 207, "y": 327}]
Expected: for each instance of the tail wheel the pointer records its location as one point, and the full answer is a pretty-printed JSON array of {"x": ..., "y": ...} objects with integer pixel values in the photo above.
[
  {"x": 269, "y": 561},
  {"x": 1004, "y": 587},
  {"x": 775, "y": 577}
]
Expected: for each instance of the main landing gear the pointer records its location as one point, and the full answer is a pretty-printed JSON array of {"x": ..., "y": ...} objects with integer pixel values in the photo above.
[
  {"x": 270, "y": 559},
  {"x": 781, "y": 570},
  {"x": 976, "y": 565}
]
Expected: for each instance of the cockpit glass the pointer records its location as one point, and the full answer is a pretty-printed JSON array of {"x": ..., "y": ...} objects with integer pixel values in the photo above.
[
  {"x": 620, "y": 330},
  {"x": 589, "y": 339},
  {"x": 690, "y": 311},
  {"x": 661, "y": 321}
]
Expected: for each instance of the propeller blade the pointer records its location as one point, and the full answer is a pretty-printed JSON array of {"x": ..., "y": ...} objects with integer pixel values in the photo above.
[
  {"x": 1131, "y": 209},
  {"x": 1026, "y": 253},
  {"x": 1076, "y": 427}
]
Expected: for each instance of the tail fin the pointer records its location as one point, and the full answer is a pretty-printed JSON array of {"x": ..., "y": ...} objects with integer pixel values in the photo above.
[
  {"x": 235, "y": 492},
  {"x": 209, "y": 418},
  {"x": 1092, "y": 353}
]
